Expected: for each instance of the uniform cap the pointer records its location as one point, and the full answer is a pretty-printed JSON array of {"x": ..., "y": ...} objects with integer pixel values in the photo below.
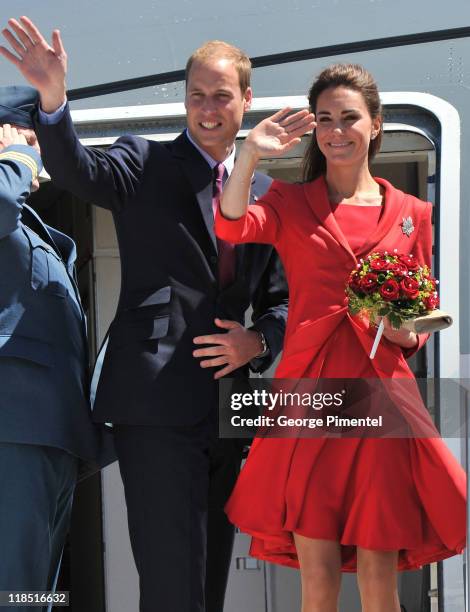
[{"x": 16, "y": 105}]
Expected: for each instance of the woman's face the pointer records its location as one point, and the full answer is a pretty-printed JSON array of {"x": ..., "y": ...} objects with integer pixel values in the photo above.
[{"x": 344, "y": 127}]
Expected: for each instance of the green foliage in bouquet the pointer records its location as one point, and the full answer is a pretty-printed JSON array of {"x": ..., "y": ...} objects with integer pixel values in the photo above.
[{"x": 392, "y": 285}]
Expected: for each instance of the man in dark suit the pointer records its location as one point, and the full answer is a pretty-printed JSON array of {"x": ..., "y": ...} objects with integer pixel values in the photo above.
[
  {"x": 45, "y": 424},
  {"x": 180, "y": 319}
]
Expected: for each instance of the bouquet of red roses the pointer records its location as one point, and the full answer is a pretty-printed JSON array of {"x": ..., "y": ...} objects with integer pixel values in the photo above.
[
  {"x": 398, "y": 287},
  {"x": 392, "y": 285}
]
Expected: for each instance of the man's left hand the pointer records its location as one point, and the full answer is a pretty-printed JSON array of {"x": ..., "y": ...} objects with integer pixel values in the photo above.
[{"x": 232, "y": 349}]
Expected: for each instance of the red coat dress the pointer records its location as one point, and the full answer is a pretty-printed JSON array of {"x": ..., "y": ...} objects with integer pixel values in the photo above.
[{"x": 405, "y": 494}]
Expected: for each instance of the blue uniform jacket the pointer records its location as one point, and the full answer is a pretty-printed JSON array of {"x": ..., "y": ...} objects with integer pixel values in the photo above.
[{"x": 43, "y": 354}]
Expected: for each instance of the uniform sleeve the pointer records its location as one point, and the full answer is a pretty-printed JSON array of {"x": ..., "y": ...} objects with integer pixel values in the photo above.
[
  {"x": 260, "y": 224},
  {"x": 423, "y": 253},
  {"x": 19, "y": 166}
]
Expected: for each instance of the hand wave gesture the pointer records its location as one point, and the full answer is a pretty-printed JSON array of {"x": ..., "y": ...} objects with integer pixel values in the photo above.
[
  {"x": 280, "y": 133},
  {"x": 43, "y": 66}
]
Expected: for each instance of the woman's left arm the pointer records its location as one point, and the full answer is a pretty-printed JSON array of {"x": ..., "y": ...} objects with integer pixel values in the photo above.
[{"x": 409, "y": 341}]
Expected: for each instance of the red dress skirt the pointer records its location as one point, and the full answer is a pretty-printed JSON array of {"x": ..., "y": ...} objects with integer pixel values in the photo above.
[{"x": 404, "y": 494}]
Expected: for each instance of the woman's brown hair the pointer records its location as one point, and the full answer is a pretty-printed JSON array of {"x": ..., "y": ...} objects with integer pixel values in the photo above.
[{"x": 351, "y": 76}]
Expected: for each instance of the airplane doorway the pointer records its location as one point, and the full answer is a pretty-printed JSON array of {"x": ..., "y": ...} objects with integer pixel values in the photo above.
[{"x": 411, "y": 161}]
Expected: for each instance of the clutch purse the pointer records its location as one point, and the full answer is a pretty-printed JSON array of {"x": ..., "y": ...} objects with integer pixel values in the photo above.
[{"x": 432, "y": 322}]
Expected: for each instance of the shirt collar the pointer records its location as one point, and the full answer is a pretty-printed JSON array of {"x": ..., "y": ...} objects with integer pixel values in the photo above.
[{"x": 228, "y": 163}]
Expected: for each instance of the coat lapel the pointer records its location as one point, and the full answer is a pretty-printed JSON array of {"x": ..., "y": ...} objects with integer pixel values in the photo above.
[
  {"x": 199, "y": 175},
  {"x": 34, "y": 221},
  {"x": 317, "y": 196},
  {"x": 316, "y": 193},
  {"x": 66, "y": 246},
  {"x": 62, "y": 244}
]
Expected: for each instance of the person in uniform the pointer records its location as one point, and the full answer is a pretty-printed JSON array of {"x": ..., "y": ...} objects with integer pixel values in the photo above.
[{"x": 47, "y": 437}]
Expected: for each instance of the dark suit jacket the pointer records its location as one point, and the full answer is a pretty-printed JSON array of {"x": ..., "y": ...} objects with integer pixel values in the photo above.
[
  {"x": 43, "y": 356},
  {"x": 161, "y": 200}
]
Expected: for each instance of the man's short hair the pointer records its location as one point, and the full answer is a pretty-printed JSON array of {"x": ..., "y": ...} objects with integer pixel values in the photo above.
[{"x": 218, "y": 49}]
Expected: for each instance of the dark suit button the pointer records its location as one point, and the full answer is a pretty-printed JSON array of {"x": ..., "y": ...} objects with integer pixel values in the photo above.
[{"x": 214, "y": 259}]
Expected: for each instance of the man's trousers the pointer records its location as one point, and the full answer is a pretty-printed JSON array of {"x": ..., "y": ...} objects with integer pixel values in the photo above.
[
  {"x": 36, "y": 492},
  {"x": 177, "y": 481}
]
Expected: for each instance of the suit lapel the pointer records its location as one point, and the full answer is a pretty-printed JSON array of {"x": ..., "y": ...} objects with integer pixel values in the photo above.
[{"x": 199, "y": 175}]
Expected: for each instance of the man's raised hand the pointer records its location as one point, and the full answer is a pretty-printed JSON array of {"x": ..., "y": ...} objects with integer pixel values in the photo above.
[{"x": 43, "y": 66}]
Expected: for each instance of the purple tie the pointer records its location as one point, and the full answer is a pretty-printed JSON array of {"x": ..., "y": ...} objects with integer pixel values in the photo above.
[{"x": 226, "y": 249}]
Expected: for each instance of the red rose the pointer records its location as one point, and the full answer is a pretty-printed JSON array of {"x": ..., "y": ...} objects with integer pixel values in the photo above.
[
  {"x": 369, "y": 283},
  {"x": 410, "y": 262},
  {"x": 355, "y": 282},
  {"x": 410, "y": 287},
  {"x": 431, "y": 302},
  {"x": 399, "y": 268},
  {"x": 379, "y": 264},
  {"x": 390, "y": 290}
]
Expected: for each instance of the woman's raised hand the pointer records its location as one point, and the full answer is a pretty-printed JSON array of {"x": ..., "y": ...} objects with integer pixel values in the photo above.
[
  {"x": 279, "y": 133},
  {"x": 273, "y": 136}
]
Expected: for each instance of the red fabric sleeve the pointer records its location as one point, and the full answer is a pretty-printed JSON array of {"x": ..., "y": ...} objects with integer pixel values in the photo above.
[
  {"x": 423, "y": 253},
  {"x": 261, "y": 223}
]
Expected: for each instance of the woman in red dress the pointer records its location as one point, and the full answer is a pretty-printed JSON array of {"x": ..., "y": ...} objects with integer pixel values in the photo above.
[{"x": 328, "y": 505}]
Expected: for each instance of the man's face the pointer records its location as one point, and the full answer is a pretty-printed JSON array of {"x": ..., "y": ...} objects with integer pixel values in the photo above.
[{"x": 215, "y": 106}]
